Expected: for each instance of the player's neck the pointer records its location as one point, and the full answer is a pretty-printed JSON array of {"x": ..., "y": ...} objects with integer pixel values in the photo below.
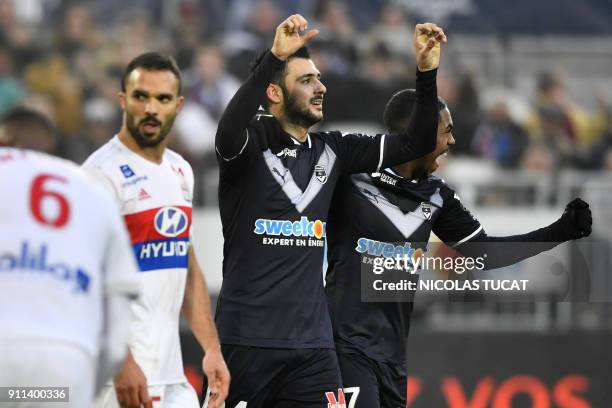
[
  {"x": 298, "y": 132},
  {"x": 406, "y": 170},
  {"x": 152, "y": 154}
]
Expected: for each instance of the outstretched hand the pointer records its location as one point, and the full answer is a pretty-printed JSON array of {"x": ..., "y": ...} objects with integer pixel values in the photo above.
[
  {"x": 577, "y": 219},
  {"x": 426, "y": 40},
  {"x": 287, "y": 39}
]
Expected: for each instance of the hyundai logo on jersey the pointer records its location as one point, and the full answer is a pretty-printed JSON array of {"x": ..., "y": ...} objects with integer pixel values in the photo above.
[
  {"x": 35, "y": 261},
  {"x": 160, "y": 237},
  {"x": 302, "y": 228},
  {"x": 170, "y": 221},
  {"x": 127, "y": 171},
  {"x": 377, "y": 248}
]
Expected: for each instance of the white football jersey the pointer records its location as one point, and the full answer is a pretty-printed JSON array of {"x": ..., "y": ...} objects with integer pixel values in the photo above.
[
  {"x": 63, "y": 247},
  {"x": 155, "y": 200}
]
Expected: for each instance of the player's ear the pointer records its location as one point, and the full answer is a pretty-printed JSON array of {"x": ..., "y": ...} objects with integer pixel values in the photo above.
[
  {"x": 121, "y": 97},
  {"x": 180, "y": 101},
  {"x": 274, "y": 93}
]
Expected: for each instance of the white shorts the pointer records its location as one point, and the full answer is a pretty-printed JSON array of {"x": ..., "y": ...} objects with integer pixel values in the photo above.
[
  {"x": 53, "y": 364},
  {"x": 166, "y": 396}
]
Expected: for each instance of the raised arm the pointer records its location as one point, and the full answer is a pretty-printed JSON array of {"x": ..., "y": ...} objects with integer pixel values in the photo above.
[
  {"x": 231, "y": 137},
  {"x": 419, "y": 138}
]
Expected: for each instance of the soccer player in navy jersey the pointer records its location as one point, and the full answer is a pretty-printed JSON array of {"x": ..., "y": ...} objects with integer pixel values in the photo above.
[
  {"x": 404, "y": 204},
  {"x": 276, "y": 183}
]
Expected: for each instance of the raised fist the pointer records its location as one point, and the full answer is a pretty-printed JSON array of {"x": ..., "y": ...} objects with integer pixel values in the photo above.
[
  {"x": 426, "y": 41},
  {"x": 287, "y": 39},
  {"x": 577, "y": 219}
]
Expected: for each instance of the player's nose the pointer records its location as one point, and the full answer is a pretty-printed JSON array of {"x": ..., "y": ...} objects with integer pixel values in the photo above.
[
  {"x": 151, "y": 108},
  {"x": 320, "y": 88},
  {"x": 451, "y": 139}
]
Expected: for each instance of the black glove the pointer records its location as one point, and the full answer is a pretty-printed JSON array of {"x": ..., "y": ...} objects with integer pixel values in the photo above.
[
  {"x": 269, "y": 132},
  {"x": 576, "y": 220}
]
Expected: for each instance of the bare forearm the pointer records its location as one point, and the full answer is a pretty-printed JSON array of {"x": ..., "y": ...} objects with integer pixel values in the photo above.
[{"x": 196, "y": 308}]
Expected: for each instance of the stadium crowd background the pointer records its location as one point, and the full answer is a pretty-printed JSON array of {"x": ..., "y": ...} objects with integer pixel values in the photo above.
[{"x": 529, "y": 85}]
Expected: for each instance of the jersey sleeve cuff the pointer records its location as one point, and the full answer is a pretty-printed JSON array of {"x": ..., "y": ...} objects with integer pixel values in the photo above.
[{"x": 466, "y": 239}]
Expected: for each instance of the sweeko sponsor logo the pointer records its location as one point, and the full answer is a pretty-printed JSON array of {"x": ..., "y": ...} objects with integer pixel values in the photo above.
[
  {"x": 386, "y": 255},
  {"x": 302, "y": 232}
]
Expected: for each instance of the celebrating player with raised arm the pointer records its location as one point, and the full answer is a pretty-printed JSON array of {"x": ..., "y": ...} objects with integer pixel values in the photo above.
[
  {"x": 276, "y": 184},
  {"x": 153, "y": 186},
  {"x": 67, "y": 273},
  {"x": 402, "y": 204}
]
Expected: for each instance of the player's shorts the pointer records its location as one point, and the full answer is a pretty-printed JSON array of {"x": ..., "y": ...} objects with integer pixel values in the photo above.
[
  {"x": 380, "y": 385},
  {"x": 52, "y": 364},
  {"x": 279, "y": 378},
  {"x": 166, "y": 396}
]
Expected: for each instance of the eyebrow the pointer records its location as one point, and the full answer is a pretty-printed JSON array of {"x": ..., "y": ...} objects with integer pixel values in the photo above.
[
  {"x": 145, "y": 93},
  {"x": 318, "y": 75}
]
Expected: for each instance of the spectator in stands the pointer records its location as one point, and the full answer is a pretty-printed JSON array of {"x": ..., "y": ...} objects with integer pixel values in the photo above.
[
  {"x": 539, "y": 157},
  {"x": 256, "y": 32},
  {"x": 213, "y": 86},
  {"x": 562, "y": 125},
  {"x": 601, "y": 152},
  {"x": 393, "y": 29},
  {"x": 499, "y": 138},
  {"x": 336, "y": 36}
]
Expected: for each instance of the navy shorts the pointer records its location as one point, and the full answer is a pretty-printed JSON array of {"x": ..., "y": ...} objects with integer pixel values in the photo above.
[
  {"x": 280, "y": 378},
  {"x": 380, "y": 385}
]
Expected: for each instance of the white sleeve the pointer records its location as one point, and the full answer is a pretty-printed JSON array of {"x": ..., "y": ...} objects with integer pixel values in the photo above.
[
  {"x": 121, "y": 283},
  {"x": 102, "y": 179}
]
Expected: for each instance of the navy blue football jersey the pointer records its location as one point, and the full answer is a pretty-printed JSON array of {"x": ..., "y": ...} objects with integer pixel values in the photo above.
[
  {"x": 274, "y": 204},
  {"x": 368, "y": 212}
]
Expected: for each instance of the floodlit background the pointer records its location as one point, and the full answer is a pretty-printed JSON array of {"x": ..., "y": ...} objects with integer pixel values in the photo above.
[{"x": 529, "y": 85}]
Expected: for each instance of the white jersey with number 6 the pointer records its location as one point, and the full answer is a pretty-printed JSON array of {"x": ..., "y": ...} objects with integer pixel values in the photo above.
[{"x": 63, "y": 250}]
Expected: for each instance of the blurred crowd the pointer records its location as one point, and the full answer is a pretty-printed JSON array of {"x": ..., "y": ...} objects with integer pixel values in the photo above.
[{"x": 65, "y": 59}]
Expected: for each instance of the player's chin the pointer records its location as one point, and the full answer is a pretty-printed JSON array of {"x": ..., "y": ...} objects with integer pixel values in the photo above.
[
  {"x": 152, "y": 139},
  {"x": 317, "y": 113}
]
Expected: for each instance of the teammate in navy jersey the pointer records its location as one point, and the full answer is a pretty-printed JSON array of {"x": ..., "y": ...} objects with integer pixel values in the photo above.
[
  {"x": 400, "y": 204},
  {"x": 276, "y": 185}
]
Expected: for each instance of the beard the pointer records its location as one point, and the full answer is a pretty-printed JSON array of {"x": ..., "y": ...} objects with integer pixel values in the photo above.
[
  {"x": 298, "y": 115},
  {"x": 147, "y": 141}
]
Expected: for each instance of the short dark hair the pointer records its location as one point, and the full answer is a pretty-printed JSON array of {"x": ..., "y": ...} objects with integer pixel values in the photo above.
[
  {"x": 152, "y": 61},
  {"x": 25, "y": 115},
  {"x": 21, "y": 119},
  {"x": 279, "y": 76},
  {"x": 399, "y": 109}
]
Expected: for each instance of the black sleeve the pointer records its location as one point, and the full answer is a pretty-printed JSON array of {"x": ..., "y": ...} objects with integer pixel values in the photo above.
[
  {"x": 232, "y": 136},
  {"x": 457, "y": 227},
  {"x": 508, "y": 250},
  {"x": 455, "y": 224},
  {"x": 365, "y": 154}
]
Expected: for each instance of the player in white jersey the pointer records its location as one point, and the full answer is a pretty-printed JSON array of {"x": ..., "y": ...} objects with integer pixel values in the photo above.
[
  {"x": 153, "y": 187},
  {"x": 66, "y": 273}
]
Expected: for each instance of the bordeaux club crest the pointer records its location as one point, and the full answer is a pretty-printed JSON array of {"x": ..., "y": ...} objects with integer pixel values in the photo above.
[
  {"x": 426, "y": 209},
  {"x": 320, "y": 173}
]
